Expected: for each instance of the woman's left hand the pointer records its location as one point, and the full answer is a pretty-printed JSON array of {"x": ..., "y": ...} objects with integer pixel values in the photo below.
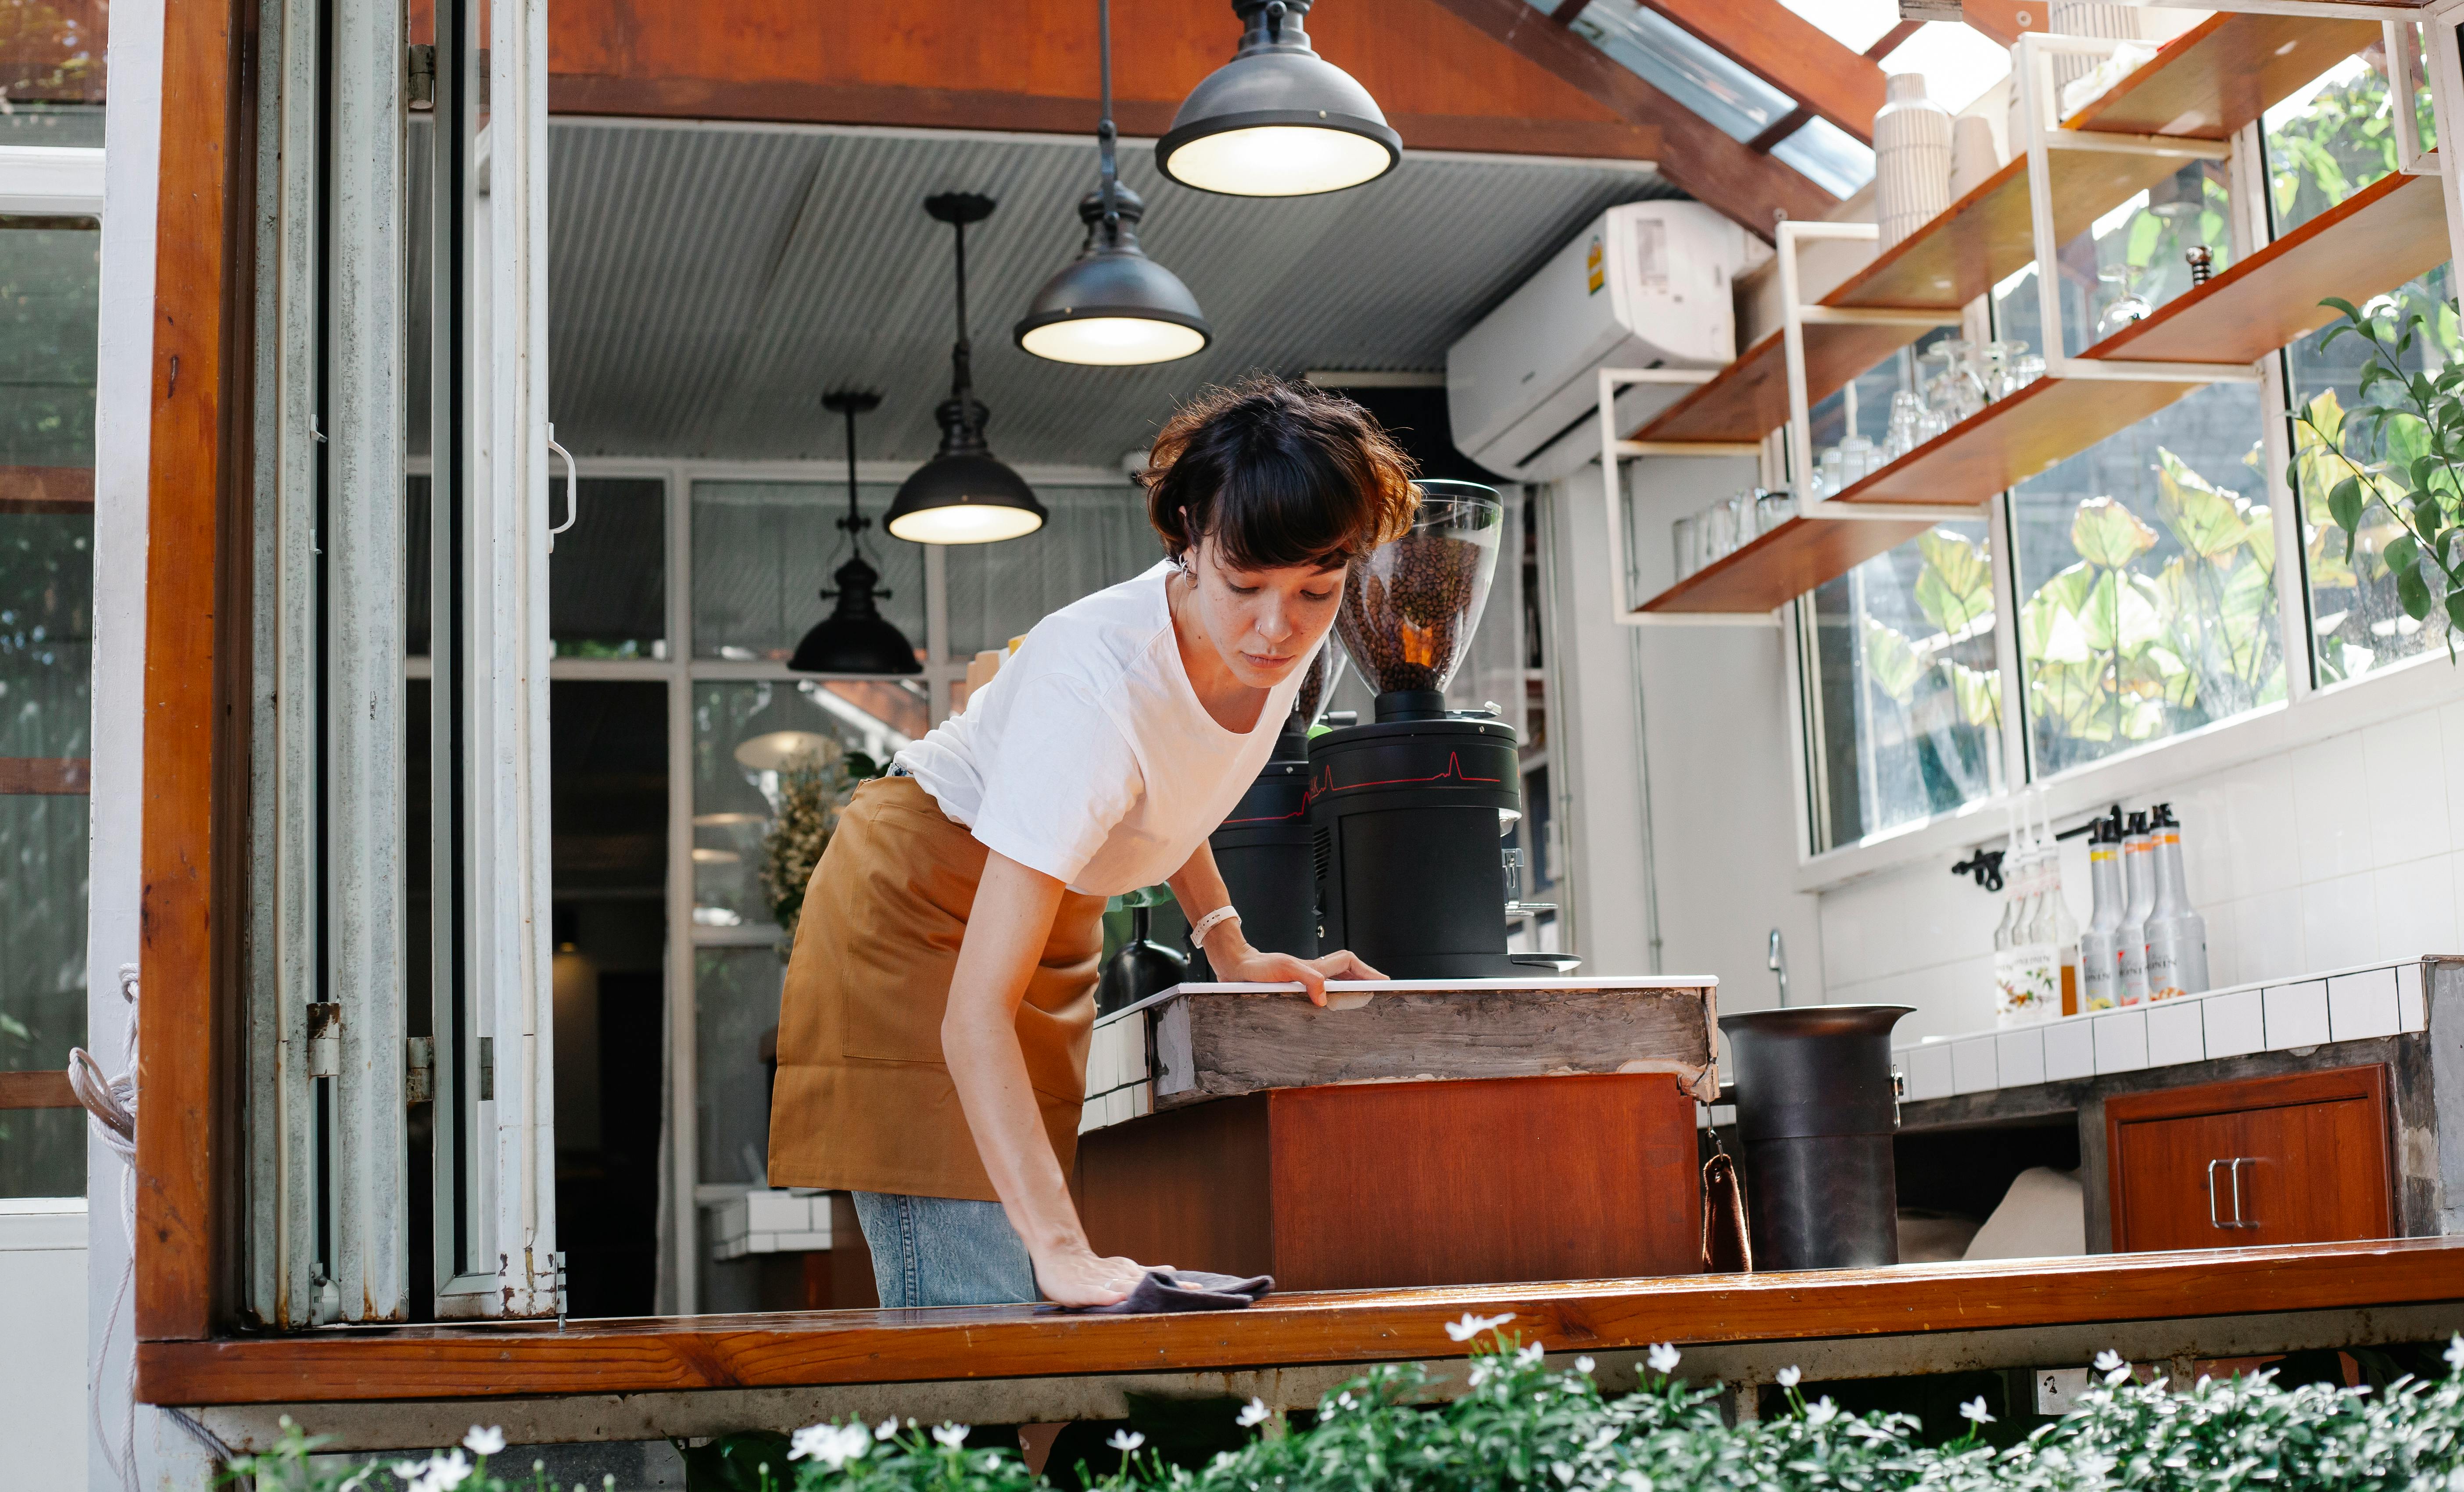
[{"x": 1251, "y": 966}]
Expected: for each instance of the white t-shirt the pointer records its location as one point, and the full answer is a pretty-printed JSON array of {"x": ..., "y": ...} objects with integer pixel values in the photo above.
[{"x": 1089, "y": 755}]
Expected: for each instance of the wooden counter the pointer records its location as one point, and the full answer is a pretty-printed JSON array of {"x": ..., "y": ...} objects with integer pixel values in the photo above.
[{"x": 1411, "y": 1132}]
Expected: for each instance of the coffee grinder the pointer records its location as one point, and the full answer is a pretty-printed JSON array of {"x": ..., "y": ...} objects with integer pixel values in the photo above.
[
  {"x": 1263, "y": 848},
  {"x": 1406, "y": 812}
]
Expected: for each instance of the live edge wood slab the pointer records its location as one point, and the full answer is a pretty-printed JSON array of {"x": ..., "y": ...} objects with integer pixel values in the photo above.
[
  {"x": 1194, "y": 1043},
  {"x": 655, "y": 1356}
]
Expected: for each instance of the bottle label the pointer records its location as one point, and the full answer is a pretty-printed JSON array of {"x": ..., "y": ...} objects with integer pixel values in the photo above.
[{"x": 2027, "y": 983}]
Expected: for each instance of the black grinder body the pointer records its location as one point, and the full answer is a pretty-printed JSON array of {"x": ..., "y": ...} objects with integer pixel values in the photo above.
[{"x": 1406, "y": 817}]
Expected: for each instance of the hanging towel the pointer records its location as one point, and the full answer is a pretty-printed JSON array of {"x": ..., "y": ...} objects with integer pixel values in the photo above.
[{"x": 1168, "y": 1291}]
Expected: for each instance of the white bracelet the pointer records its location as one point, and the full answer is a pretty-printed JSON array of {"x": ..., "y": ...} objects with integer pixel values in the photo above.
[{"x": 1210, "y": 922}]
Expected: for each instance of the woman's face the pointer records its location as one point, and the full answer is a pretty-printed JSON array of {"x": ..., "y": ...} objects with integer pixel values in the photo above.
[{"x": 1263, "y": 624}]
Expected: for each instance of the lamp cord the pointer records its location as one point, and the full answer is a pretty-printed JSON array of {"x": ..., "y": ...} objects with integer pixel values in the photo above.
[
  {"x": 856, "y": 514},
  {"x": 1105, "y": 133}
]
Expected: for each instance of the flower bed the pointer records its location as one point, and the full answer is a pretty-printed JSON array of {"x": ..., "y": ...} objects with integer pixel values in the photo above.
[{"x": 1522, "y": 1424}]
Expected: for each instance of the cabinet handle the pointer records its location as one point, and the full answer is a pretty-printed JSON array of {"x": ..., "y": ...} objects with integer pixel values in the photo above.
[
  {"x": 2233, "y": 1173},
  {"x": 572, "y": 507},
  {"x": 2213, "y": 1220}
]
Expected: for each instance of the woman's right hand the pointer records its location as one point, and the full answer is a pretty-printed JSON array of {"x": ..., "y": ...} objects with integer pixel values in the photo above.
[{"x": 1079, "y": 1276}]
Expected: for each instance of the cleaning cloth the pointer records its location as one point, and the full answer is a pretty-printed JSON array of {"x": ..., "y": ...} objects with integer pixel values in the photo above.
[{"x": 1165, "y": 1291}]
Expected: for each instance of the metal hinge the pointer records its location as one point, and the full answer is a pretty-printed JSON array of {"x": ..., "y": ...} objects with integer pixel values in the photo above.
[
  {"x": 418, "y": 1071},
  {"x": 324, "y": 1039},
  {"x": 487, "y": 1068},
  {"x": 421, "y": 86}
]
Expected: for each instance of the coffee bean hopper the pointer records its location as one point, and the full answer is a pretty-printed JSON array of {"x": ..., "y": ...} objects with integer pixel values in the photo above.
[{"x": 1405, "y": 813}]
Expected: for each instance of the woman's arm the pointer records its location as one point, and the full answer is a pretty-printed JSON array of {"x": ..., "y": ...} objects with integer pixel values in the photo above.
[
  {"x": 1004, "y": 941},
  {"x": 1198, "y": 887}
]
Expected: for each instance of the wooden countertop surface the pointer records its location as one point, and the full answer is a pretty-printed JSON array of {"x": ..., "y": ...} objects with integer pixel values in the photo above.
[{"x": 472, "y": 1360}]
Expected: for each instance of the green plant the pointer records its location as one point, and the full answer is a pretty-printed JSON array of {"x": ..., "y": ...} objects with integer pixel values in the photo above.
[
  {"x": 813, "y": 789},
  {"x": 2343, "y": 140},
  {"x": 1519, "y": 1425},
  {"x": 2389, "y": 465}
]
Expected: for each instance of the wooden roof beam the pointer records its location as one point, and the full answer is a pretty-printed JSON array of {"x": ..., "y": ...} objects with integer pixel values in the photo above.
[
  {"x": 1699, "y": 158},
  {"x": 1794, "y": 120},
  {"x": 1790, "y": 53}
]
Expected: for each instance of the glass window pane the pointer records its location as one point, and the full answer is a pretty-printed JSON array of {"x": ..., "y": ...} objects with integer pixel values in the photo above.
[
  {"x": 2146, "y": 582},
  {"x": 48, "y": 299},
  {"x": 2357, "y": 621},
  {"x": 1906, "y": 711},
  {"x": 607, "y": 577},
  {"x": 52, "y": 71},
  {"x": 1671, "y": 60},
  {"x": 763, "y": 552},
  {"x": 736, "y": 1020},
  {"x": 2331, "y": 139},
  {"x": 743, "y": 729},
  {"x": 1096, "y": 536},
  {"x": 2131, "y": 261},
  {"x": 1836, "y": 160}
]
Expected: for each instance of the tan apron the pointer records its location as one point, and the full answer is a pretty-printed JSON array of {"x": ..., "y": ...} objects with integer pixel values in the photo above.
[{"x": 864, "y": 1102}]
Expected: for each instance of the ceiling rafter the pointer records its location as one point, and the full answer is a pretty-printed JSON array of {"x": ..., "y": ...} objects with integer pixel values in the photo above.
[
  {"x": 1794, "y": 119},
  {"x": 1790, "y": 53},
  {"x": 1701, "y": 159}
]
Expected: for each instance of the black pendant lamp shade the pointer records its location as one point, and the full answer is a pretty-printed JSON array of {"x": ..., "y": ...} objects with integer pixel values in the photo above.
[
  {"x": 855, "y": 637},
  {"x": 1278, "y": 119},
  {"x": 1113, "y": 306},
  {"x": 962, "y": 495}
]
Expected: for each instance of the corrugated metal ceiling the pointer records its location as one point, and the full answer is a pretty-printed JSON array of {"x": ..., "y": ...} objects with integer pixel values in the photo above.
[{"x": 707, "y": 282}]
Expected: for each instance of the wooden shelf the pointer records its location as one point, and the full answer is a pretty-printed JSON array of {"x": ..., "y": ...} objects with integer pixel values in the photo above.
[
  {"x": 2390, "y": 231},
  {"x": 2222, "y": 74},
  {"x": 1750, "y": 398},
  {"x": 2206, "y": 83},
  {"x": 1775, "y": 568},
  {"x": 2016, "y": 438}
]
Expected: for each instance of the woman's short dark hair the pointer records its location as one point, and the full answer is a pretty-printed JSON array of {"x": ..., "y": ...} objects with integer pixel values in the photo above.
[{"x": 1277, "y": 473}]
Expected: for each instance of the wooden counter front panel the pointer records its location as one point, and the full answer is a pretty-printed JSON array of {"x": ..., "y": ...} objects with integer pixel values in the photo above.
[
  {"x": 2317, "y": 1167},
  {"x": 1393, "y": 1184}
]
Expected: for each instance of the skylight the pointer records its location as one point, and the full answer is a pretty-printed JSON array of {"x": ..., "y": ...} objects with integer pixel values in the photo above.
[
  {"x": 1833, "y": 159},
  {"x": 1664, "y": 55}
]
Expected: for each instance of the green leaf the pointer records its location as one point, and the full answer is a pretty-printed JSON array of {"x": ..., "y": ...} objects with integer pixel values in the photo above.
[
  {"x": 2203, "y": 520},
  {"x": 1891, "y": 661},
  {"x": 2402, "y": 552},
  {"x": 2107, "y": 534},
  {"x": 2345, "y": 502},
  {"x": 2411, "y": 592},
  {"x": 2455, "y": 609}
]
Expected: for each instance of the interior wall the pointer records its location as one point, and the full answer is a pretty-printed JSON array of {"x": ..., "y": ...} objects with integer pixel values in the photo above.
[
  {"x": 1711, "y": 737},
  {"x": 2344, "y": 851}
]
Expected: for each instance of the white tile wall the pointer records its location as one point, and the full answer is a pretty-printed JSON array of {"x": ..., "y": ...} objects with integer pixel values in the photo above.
[
  {"x": 2297, "y": 1014},
  {"x": 2176, "y": 1033},
  {"x": 2362, "y": 1005},
  {"x": 2343, "y": 853},
  {"x": 2236, "y": 1023}
]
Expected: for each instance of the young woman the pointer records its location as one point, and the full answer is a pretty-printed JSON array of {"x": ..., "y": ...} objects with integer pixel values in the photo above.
[{"x": 932, "y": 1033}]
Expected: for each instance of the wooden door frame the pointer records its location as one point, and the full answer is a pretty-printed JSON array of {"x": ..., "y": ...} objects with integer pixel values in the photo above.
[
  {"x": 2369, "y": 1082},
  {"x": 196, "y": 754}
]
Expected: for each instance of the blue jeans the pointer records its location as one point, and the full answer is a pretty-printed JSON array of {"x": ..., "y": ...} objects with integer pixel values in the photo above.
[{"x": 943, "y": 1251}]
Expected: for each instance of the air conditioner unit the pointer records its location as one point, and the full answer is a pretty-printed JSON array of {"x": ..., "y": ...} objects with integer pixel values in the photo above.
[{"x": 1646, "y": 285}]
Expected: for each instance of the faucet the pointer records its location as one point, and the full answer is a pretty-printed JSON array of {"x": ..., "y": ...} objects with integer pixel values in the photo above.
[{"x": 1778, "y": 965}]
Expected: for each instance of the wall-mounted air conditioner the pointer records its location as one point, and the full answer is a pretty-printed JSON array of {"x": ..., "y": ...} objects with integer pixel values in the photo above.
[{"x": 1646, "y": 285}]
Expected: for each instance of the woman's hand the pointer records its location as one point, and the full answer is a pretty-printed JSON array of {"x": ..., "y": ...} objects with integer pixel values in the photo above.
[
  {"x": 1079, "y": 1276},
  {"x": 1243, "y": 964}
]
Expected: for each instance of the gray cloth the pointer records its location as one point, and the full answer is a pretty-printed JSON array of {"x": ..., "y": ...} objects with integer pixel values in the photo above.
[{"x": 1168, "y": 1291}]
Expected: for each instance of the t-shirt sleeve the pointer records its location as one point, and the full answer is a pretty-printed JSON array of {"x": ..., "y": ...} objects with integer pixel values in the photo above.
[{"x": 1062, "y": 778}]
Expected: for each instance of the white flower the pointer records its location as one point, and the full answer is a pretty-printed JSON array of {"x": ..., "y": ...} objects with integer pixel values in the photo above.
[
  {"x": 1790, "y": 1376},
  {"x": 2455, "y": 1352},
  {"x": 1253, "y": 1413},
  {"x": 1662, "y": 1357},
  {"x": 1564, "y": 1472},
  {"x": 1601, "y": 1441},
  {"x": 886, "y": 1429},
  {"x": 1584, "y": 1365},
  {"x": 1528, "y": 1356},
  {"x": 441, "y": 1473},
  {"x": 1471, "y": 1326},
  {"x": 490, "y": 1442},
  {"x": 1345, "y": 1401},
  {"x": 1482, "y": 1371},
  {"x": 832, "y": 1445},
  {"x": 1974, "y": 1410},
  {"x": 1126, "y": 1440},
  {"x": 404, "y": 1471},
  {"x": 1634, "y": 1481},
  {"x": 950, "y": 1434},
  {"x": 1823, "y": 1412},
  {"x": 2110, "y": 1364}
]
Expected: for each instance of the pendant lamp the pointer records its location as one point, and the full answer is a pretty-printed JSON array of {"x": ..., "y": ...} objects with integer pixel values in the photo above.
[
  {"x": 1278, "y": 119},
  {"x": 1113, "y": 306},
  {"x": 962, "y": 495},
  {"x": 855, "y": 637}
]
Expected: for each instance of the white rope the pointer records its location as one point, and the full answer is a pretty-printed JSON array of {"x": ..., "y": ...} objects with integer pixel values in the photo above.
[{"x": 111, "y": 1113}]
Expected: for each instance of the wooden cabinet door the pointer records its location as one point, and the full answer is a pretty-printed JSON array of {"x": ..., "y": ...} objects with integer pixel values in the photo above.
[{"x": 2301, "y": 1158}]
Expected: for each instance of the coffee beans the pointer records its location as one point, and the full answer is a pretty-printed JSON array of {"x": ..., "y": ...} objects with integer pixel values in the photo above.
[{"x": 1410, "y": 606}]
